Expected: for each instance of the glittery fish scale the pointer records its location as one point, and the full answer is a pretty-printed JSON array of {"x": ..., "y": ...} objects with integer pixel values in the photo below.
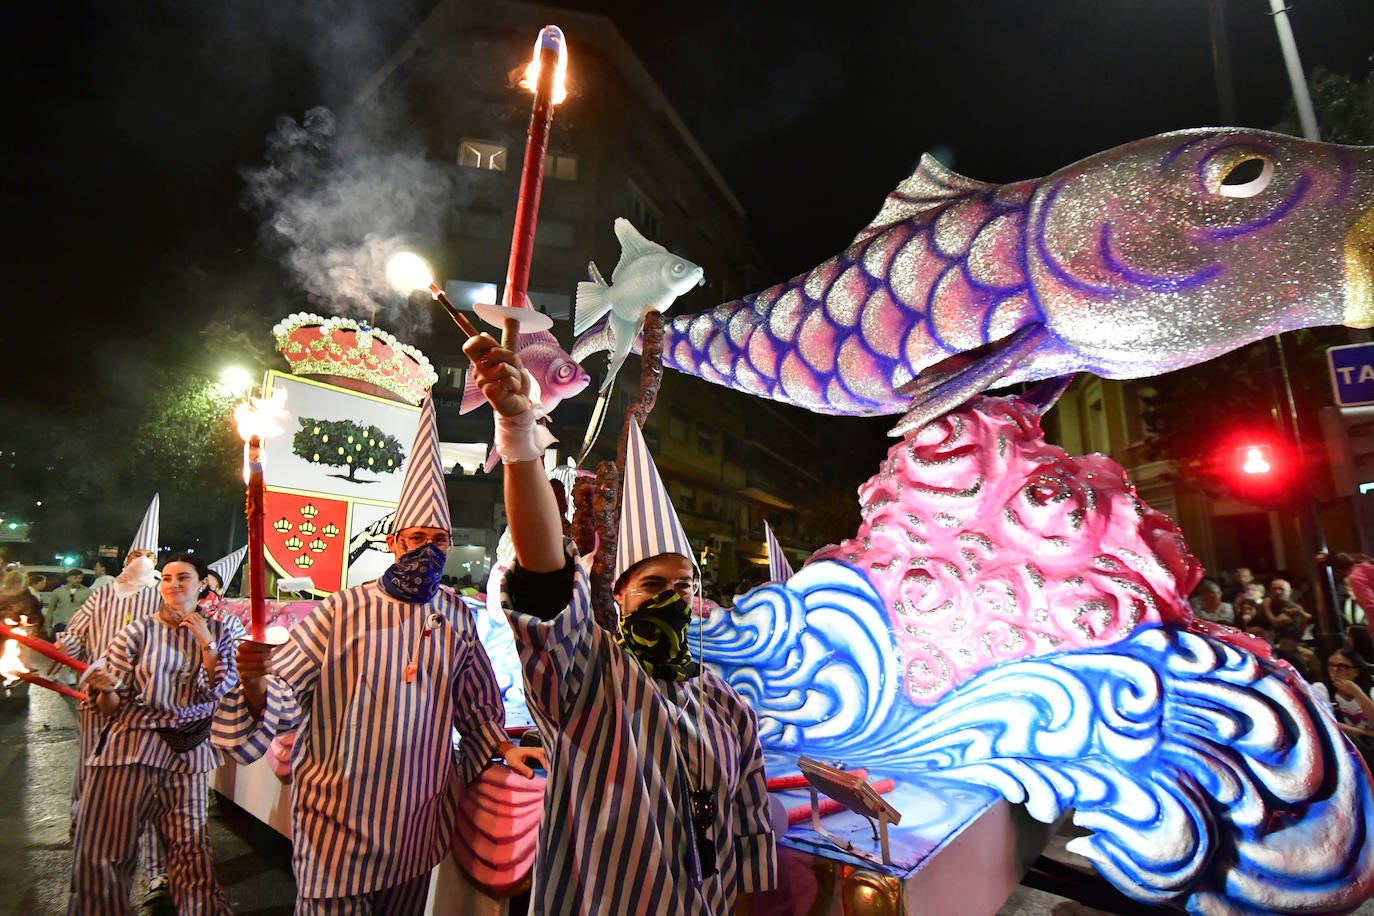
[
  {"x": 957, "y": 226},
  {"x": 885, "y": 325},
  {"x": 786, "y": 316},
  {"x": 846, "y": 295},
  {"x": 994, "y": 258},
  {"x": 960, "y": 311},
  {"x": 1126, "y": 264},
  {"x": 861, "y": 370},
  {"x": 799, "y": 383},
  {"x": 817, "y": 342}
]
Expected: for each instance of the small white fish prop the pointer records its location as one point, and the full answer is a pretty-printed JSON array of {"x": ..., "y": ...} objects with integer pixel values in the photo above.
[{"x": 648, "y": 277}]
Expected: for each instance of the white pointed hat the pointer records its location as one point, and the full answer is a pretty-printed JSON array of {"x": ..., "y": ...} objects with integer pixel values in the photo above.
[
  {"x": 226, "y": 567},
  {"x": 648, "y": 524},
  {"x": 146, "y": 536},
  {"x": 424, "y": 498},
  {"x": 779, "y": 570}
]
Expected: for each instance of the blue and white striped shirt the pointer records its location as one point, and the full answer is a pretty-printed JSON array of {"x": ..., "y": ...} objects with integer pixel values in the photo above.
[
  {"x": 164, "y": 684},
  {"x": 93, "y": 627},
  {"x": 372, "y": 793},
  {"x": 624, "y": 752}
]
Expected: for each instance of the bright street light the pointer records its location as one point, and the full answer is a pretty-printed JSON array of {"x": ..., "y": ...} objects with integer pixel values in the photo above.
[{"x": 236, "y": 380}]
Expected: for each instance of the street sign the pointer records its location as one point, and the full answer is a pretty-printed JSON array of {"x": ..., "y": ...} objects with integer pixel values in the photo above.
[{"x": 1352, "y": 373}]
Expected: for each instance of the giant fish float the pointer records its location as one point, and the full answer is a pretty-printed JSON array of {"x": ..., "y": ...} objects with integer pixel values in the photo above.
[
  {"x": 1012, "y": 616},
  {"x": 1152, "y": 256}
]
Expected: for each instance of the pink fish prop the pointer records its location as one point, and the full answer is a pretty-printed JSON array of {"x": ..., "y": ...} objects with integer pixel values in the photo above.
[{"x": 1143, "y": 259}]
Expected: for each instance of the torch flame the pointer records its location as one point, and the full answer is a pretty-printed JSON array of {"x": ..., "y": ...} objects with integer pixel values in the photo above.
[
  {"x": 11, "y": 664},
  {"x": 260, "y": 418},
  {"x": 406, "y": 271},
  {"x": 550, "y": 36}
]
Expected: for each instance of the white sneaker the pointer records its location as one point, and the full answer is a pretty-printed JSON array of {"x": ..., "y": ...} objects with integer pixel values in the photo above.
[{"x": 157, "y": 888}]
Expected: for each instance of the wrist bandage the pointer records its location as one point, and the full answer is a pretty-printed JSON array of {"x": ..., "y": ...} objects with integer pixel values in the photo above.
[{"x": 521, "y": 437}]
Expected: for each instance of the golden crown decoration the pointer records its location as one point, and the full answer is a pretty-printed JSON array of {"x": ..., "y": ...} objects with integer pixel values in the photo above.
[{"x": 343, "y": 347}]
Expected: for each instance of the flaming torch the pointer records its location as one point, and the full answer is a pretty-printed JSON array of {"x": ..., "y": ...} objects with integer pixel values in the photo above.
[
  {"x": 546, "y": 77},
  {"x": 257, "y": 419},
  {"x": 12, "y": 667},
  {"x": 406, "y": 271}
]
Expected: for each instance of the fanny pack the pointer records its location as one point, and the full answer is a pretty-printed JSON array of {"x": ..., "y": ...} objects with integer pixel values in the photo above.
[{"x": 186, "y": 738}]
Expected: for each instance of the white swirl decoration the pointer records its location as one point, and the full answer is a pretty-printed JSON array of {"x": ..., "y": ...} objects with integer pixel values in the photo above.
[{"x": 1209, "y": 777}]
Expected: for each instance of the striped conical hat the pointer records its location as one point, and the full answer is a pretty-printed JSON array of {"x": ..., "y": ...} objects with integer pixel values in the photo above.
[
  {"x": 424, "y": 498},
  {"x": 227, "y": 567},
  {"x": 648, "y": 524},
  {"x": 779, "y": 570},
  {"x": 146, "y": 536}
]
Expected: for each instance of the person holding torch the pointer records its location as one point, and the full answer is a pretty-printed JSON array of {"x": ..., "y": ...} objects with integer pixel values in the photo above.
[
  {"x": 376, "y": 678},
  {"x": 657, "y": 799}
]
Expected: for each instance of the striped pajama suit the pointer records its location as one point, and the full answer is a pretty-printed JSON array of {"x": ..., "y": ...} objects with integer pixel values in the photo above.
[
  {"x": 89, "y": 633},
  {"x": 624, "y": 752},
  {"x": 372, "y": 789},
  {"x": 135, "y": 778}
]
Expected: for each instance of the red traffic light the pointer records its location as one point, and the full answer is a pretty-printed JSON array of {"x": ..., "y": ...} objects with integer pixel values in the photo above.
[{"x": 1256, "y": 460}]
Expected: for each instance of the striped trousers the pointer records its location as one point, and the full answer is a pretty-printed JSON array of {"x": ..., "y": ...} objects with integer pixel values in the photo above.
[
  {"x": 406, "y": 899},
  {"x": 89, "y": 722},
  {"x": 115, "y": 803}
]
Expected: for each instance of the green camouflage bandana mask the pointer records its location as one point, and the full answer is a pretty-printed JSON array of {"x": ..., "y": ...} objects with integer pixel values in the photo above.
[{"x": 655, "y": 633}]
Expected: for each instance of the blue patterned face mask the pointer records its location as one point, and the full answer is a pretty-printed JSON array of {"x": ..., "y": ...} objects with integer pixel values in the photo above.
[{"x": 414, "y": 577}]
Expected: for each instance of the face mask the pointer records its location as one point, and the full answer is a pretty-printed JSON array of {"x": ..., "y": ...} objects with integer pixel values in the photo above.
[
  {"x": 137, "y": 570},
  {"x": 655, "y": 633},
  {"x": 414, "y": 577}
]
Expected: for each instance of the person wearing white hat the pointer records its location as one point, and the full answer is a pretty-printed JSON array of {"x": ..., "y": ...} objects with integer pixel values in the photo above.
[
  {"x": 656, "y": 800},
  {"x": 376, "y": 678},
  {"x": 211, "y": 606},
  {"x": 133, "y": 595}
]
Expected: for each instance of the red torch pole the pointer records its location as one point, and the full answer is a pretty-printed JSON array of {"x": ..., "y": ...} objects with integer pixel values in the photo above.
[
  {"x": 257, "y": 564},
  {"x": 531, "y": 186},
  {"x": 43, "y": 647},
  {"x": 515, "y": 314}
]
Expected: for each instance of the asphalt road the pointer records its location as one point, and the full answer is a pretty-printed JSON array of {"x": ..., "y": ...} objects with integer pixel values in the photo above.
[{"x": 38, "y": 752}]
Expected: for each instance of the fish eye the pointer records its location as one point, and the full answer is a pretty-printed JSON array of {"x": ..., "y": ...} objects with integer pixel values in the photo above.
[
  {"x": 678, "y": 267},
  {"x": 1245, "y": 176}
]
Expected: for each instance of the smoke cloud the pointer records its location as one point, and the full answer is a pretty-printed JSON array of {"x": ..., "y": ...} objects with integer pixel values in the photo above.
[{"x": 337, "y": 200}]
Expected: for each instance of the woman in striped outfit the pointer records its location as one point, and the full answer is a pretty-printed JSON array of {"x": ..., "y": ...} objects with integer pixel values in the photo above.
[{"x": 162, "y": 678}]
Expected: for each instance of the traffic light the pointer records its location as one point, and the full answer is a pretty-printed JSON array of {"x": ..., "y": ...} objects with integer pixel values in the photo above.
[
  {"x": 1258, "y": 471},
  {"x": 1256, "y": 460}
]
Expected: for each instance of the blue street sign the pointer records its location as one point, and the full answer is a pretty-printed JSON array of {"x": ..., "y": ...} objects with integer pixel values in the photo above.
[{"x": 1352, "y": 373}]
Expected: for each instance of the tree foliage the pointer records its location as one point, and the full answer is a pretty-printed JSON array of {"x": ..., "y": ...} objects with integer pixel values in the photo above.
[{"x": 345, "y": 444}]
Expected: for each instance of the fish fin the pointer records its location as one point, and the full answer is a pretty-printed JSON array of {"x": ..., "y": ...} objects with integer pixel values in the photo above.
[
  {"x": 595, "y": 275},
  {"x": 633, "y": 245},
  {"x": 950, "y": 383},
  {"x": 594, "y": 341},
  {"x": 593, "y": 301},
  {"x": 932, "y": 185},
  {"x": 472, "y": 395},
  {"x": 625, "y": 334},
  {"x": 1045, "y": 394}
]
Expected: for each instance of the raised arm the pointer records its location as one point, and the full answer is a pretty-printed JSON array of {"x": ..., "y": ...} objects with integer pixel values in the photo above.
[{"x": 536, "y": 529}]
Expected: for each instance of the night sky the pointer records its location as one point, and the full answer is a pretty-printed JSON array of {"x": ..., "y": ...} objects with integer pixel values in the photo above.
[{"x": 133, "y": 125}]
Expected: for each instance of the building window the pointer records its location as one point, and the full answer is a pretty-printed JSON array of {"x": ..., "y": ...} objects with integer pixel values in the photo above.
[
  {"x": 556, "y": 233},
  {"x": 482, "y": 154},
  {"x": 642, "y": 213},
  {"x": 706, "y": 440},
  {"x": 677, "y": 425},
  {"x": 562, "y": 167}
]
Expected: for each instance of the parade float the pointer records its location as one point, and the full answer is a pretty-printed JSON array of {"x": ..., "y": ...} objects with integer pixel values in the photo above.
[{"x": 1006, "y": 642}]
